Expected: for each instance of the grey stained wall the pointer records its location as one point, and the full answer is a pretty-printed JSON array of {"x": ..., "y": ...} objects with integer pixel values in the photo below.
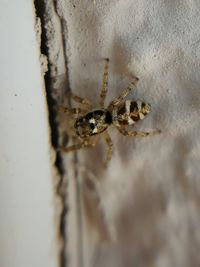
[{"x": 143, "y": 210}]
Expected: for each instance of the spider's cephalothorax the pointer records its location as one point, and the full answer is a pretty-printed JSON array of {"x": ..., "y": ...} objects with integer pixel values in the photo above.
[{"x": 95, "y": 122}]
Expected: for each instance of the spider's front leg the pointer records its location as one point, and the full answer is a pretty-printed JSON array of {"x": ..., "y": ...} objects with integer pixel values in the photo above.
[
  {"x": 137, "y": 133},
  {"x": 80, "y": 100},
  {"x": 83, "y": 144},
  {"x": 105, "y": 84},
  {"x": 110, "y": 147},
  {"x": 73, "y": 111}
]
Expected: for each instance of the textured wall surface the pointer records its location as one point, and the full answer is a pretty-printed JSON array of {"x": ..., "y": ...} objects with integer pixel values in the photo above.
[{"x": 143, "y": 210}]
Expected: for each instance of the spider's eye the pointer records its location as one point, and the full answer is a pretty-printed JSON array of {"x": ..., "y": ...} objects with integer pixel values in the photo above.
[{"x": 92, "y": 126}]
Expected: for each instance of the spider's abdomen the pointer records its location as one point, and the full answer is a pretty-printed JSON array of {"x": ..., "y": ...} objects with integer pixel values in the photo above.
[{"x": 131, "y": 111}]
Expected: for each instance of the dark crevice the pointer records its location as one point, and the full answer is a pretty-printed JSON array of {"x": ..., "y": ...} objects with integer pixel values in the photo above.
[
  {"x": 40, "y": 10},
  {"x": 76, "y": 171},
  {"x": 61, "y": 190}
]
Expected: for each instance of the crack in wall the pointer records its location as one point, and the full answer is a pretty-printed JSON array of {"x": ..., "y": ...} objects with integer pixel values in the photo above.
[
  {"x": 64, "y": 33},
  {"x": 80, "y": 256},
  {"x": 53, "y": 100},
  {"x": 61, "y": 185}
]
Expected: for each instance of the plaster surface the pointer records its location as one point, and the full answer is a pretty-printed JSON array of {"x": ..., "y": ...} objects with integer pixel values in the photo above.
[{"x": 143, "y": 210}]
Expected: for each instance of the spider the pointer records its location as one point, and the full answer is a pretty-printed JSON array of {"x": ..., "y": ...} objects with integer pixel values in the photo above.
[{"x": 93, "y": 122}]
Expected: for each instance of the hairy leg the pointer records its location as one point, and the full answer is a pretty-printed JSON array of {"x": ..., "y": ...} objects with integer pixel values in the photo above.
[
  {"x": 124, "y": 93},
  {"x": 73, "y": 111},
  {"x": 105, "y": 84},
  {"x": 82, "y": 101},
  {"x": 137, "y": 133},
  {"x": 83, "y": 144},
  {"x": 110, "y": 146}
]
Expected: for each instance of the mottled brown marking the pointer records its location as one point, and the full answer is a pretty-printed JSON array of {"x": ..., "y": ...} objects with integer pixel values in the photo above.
[
  {"x": 133, "y": 106},
  {"x": 122, "y": 109},
  {"x": 135, "y": 117}
]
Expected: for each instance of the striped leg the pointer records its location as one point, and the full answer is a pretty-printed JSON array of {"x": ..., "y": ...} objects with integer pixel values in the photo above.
[
  {"x": 85, "y": 143},
  {"x": 124, "y": 93},
  {"x": 105, "y": 84},
  {"x": 81, "y": 100},
  {"x": 74, "y": 111},
  {"x": 137, "y": 133},
  {"x": 110, "y": 147}
]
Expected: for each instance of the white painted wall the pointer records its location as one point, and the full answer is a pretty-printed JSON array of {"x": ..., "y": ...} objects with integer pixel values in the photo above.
[{"x": 27, "y": 226}]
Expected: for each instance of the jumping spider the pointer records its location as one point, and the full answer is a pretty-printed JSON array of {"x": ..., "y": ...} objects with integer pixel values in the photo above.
[{"x": 91, "y": 122}]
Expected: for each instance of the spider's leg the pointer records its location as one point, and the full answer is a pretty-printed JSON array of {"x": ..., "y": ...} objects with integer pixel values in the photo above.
[
  {"x": 110, "y": 146},
  {"x": 82, "y": 101},
  {"x": 74, "y": 111},
  {"x": 124, "y": 93},
  {"x": 137, "y": 133},
  {"x": 105, "y": 84},
  {"x": 83, "y": 144}
]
